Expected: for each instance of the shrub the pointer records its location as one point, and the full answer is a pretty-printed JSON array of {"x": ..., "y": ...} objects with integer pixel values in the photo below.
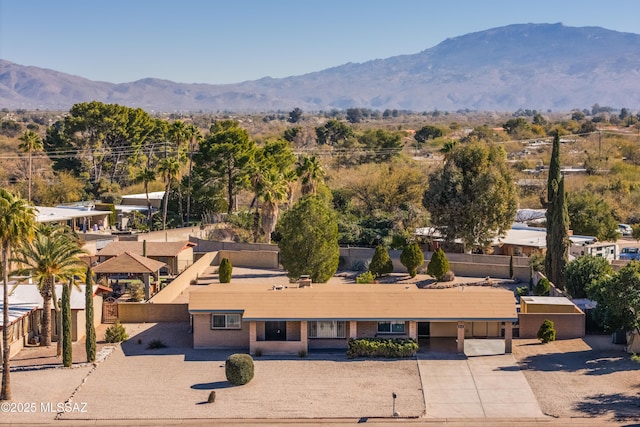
[
  {"x": 136, "y": 291},
  {"x": 302, "y": 353},
  {"x": 438, "y": 265},
  {"x": 412, "y": 258},
  {"x": 212, "y": 397},
  {"x": 547, "y": 332},
  {"x": 239, "y": 368},
  {"x": 381, "y": 262},
  {"x": 364, "y": 278},
  {"x": 224, "y": 271},
  {"x": 449, "y": 276},
  {"x": 542, "y": 288},
  {"x": 257, "y": 352},
  {"x": 382, "y": 347},
  {"x": 522, "y": 291},
  {"x": 116, "y": 333},
  {"x": 156, "y": 344}
]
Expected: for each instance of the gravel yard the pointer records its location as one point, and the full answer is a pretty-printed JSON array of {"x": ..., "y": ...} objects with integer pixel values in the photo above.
[{"x": 581, "y": 378}]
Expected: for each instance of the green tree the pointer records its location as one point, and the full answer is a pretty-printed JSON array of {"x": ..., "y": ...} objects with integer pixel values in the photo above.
[
  {"x": 225, "y": 155},
  {"x": 53, "y": 255},
  {"x": 426, "y": 133},
  {"x": 380, "y": 145},
  {"x": 591, "y": 215},
  {"x": 67, "y": 349},
  {"x": 146, "y": 176},
  {"x": 412, "y": 257},
  {"x": 31, "y": 143},
  {"x": 333, "y": 133},
  {"x": 517, "y": 127},
  {"x": 439, "y": 264},
  {"x": 225, "y": 270},
  {"x": 618, "y": 299},
  {"x": 583, "y": 271},
  {"x": 295, "y": 115},
  {"x": 511, "y": 275},
  {"x": 272, "y": 191},
  {"x": 309, "y": 240},
  {"x": 310, "y": 173},
  {"x": 558, "y": 243},
  {"x": 194, "y": 140},
  {"x": 547, "y": 332},
  {"x": 90, "y": 340},
  {"x": 17, "y": 225},
  {"x": 381, "y": 264},
  {"x": 472, "y": 197},
  {"x": 542, "y": 287}
]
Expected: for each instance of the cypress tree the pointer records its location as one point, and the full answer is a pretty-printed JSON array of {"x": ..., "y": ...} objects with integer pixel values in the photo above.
[
  {"x": 412, "y": 257},
  {"x": 381, "y": 263},
  {"x": 557, "y": 221},
  {"x": 90, "y": 343},
  {"x": 67, "y": 350}
]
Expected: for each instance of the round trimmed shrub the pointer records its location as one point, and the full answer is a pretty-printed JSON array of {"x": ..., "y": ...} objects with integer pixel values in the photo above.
[
  {"x": 224, "y": 271},
  {"x": 239, "y": 369}
]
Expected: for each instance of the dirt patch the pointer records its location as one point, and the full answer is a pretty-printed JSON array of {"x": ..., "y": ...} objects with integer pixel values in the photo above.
[{"x": 581, "y": 378}]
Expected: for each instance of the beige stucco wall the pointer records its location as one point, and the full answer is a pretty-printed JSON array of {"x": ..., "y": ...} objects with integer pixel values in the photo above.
[
  {"x": 547, "y": 308},
  {"x": 205, "y": 337},
  {"x": 134, "y": 312},
  {"x": 443, "y": 329},
  {"x": 567, "y": 325},
  {"x": 180, "y": 283},
  {"x": 251, "y": 259}
]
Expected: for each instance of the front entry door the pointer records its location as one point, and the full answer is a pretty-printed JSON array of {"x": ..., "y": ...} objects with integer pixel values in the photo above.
[
  {"x": 275, "y": 331},
  {"x": 424, "y": 329}
]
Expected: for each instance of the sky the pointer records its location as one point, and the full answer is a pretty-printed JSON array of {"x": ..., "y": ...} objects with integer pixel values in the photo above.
[{"x": 218, "y": 42}]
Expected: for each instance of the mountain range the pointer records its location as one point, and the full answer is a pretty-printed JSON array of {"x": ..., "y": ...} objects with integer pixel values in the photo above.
[{"x": 531, "y": 66}]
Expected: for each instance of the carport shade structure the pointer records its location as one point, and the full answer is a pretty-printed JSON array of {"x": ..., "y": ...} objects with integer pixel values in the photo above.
[{"x": 130, "y": 263}]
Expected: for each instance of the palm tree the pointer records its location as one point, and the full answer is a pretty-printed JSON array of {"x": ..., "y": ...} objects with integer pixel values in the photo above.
[
  {"x": 52, "y": 255},
  {"x": 194, "y": 141},
  {"x": 169, "y": 168},
  {"x": 146, "y": 175},
  {"x": 17, "y": 224},
  {"x": 311, "y": 173},
  {"x": 30, "y": 142},
  {"x": 272, "y": 190},
  {"x": 179, "y": 133}
]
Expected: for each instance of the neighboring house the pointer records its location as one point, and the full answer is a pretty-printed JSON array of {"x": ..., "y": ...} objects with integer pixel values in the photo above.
[
  {"x": 140, "y": 200},
  {"x": 291, "y": 319},
  {"x": 176, "y": 255},
  {"x": 27, "y": 308},
  {"x": 80, "y": 218},
  {"x": 23, "y": 323},
  {"x": 568, "y": 319}
]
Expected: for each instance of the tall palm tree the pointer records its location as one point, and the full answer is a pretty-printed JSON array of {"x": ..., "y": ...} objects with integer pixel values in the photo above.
[
  {"x": 145, "y": 176},
  {"x": 272, "y": 191},
  {"x": 169, "y": 168},
  {"x": 311, "y": 173},
  {"x": 31, "y": 142},
  {"x": 17, "y": 224},
  {"x": 179, "y": 133},
  {"x": 194, "y": 140},
  {"x": 53, "y": 255}
]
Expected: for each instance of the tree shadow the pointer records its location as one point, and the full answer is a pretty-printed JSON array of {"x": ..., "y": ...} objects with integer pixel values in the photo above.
[
  {"x": 591, "y": 362},
  {"x": 621, "y": 406}
]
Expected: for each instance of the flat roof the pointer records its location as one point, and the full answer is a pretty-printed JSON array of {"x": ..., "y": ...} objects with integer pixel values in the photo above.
[
  {"x": 547, "y": 300},
  {"x": 355, "y": 302},
  {"x": 49, "y": 214}
]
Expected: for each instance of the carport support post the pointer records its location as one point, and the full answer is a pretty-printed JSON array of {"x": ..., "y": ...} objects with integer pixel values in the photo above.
[
  {"x": 508, "y": 335},
  {"x": 460, "y": 337},
  {"x": 413, "y": 330},
  {"x": 253, "y": 336},
  {"x": 353, "y": 329}
]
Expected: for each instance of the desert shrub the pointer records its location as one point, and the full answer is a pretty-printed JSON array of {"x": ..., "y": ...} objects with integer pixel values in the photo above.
[
  {"x": 116, "y": 333},
  {"x": 449, "y": 276},
  {"x": 381, "y": 262},
  {"x": 547, "y": 332},
  {"x": 439, "y": 265},
  {"x": 542, "y": 288},
  {"x": 412, "y": 257},
  {"x": 382, "y": 347},
  {"x": 224, "y": 271},
  {"x": 212, "y": 397},
  {"x": 364, "y": 278},
  {"x": 155, "y": 344},
  {"x": 239, "y": 368},
  {"x": 360, "y": 265},
  {"x": 522, "y": 291},
  {"x": 136, "y": 291}
]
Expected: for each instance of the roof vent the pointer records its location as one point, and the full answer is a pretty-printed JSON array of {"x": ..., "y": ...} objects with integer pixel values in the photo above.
[
  {"x": 304, "y": 281},
  {"x": 277, "y": 287}
]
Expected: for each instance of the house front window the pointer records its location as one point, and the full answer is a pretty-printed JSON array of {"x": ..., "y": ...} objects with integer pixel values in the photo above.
[
  {"x": 225, "y": 321},
  {"x": 391, "y": 327},
  {"x": 327, "y": 329}
]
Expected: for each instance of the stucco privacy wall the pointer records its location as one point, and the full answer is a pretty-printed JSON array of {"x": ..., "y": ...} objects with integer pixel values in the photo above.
[
  {"x": 140, "y": 312},
  {"x": 182, "y": 282},
  {"x": 250, "y": 259},
  {"x": 567, "y": 325}
]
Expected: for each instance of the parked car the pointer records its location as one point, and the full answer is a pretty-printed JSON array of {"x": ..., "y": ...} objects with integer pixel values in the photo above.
[
  {"x": 625, "y": 229},
  {"x": 630, "y": 253}
]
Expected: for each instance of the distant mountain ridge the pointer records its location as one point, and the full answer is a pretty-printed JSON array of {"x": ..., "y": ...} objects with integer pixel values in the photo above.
[{"x": 535, "y": 66}]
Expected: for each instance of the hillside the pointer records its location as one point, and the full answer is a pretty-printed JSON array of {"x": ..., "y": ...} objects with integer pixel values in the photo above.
[{"x": 536, "y": 66}]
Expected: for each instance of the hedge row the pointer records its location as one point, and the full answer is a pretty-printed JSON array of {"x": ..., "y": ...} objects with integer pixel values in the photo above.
[{"x": 382, "y": 347}]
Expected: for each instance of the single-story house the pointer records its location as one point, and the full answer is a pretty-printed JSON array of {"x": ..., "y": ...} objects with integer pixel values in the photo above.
[
  {"x": 25, "y": 303},
  {"x": 568, "y": 319},
  {"x": 140, "y": 200},
  {"x": 82, "y": 218},
  {"x": 294, "y": 318},
  {"x": 176, "y": 255}
]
